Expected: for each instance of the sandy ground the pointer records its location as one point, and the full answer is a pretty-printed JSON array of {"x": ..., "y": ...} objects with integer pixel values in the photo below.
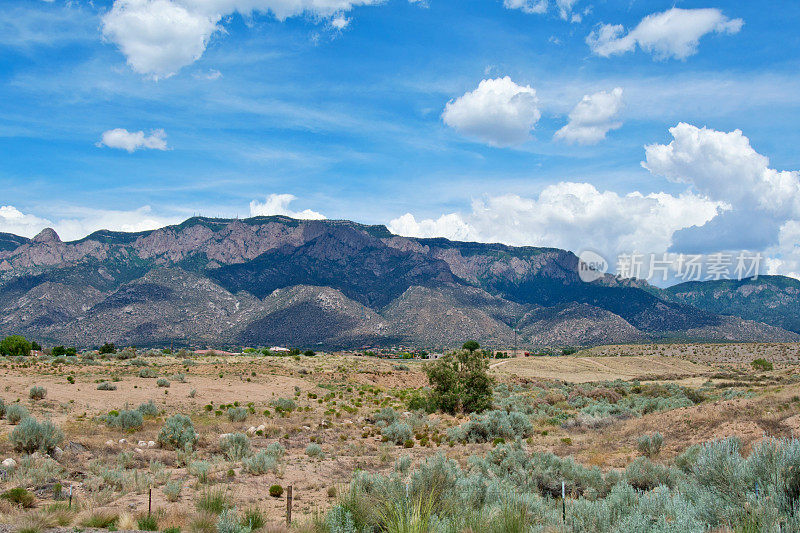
[
  {"x": 586, "y": 369},
  {"x": 787, "y": 353},
  {"x": 347, "y": 441}
]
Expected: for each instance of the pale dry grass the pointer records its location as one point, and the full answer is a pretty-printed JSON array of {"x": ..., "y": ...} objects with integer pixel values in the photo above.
[{"x": 579, "y": 369}]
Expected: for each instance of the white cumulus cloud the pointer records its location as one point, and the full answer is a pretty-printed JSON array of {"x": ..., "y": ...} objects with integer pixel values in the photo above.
[
  {"x": 12, "y": 220},
  {"x": 278, "y": 204},
  {"x": 159, "y": 37},
  {"x": 570, "y": 215},
  {"x": 77, "y": 222},
  {"x": 764, "y": 202},
  {"x": 675, "y": 33},
  {"x": 134, "y": 140},
  {"x": 723, "y": 165},
  {"x": 593, "y": 117},
  {"x": 499, "y": 112}
]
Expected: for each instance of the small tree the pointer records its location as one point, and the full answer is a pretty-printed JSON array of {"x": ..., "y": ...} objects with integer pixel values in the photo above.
[
  {"x": 471, "y": 346},
  {"x": 108, "y": 348},
  {"x": 460, "y": 382},
  {"x": 15, "y": 345}
]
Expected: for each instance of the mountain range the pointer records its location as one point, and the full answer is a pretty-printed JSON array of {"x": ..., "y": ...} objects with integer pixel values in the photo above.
[{"x": 339, "y": 284}]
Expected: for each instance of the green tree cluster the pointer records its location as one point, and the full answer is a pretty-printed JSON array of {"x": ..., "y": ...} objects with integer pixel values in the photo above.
[
  {"x": 15, "y": 345},
  {"x": 460, "y": 382}
]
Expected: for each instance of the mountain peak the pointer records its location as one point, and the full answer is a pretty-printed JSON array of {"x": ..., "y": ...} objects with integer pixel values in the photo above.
[{"x": 47, "y": 235}]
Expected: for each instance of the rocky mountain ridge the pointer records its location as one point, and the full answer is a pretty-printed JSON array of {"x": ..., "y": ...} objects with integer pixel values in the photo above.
[{"x": 338, "y": 284}]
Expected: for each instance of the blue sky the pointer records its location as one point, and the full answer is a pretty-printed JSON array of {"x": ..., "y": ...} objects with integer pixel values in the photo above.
[{"x": 343, "y": 104}]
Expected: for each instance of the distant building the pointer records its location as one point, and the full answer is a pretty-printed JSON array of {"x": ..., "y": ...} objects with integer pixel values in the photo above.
[{"x": 279, "y": 349}]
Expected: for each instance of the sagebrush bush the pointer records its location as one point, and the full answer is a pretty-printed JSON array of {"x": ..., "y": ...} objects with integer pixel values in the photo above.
[
  {"x": 148, "y": 408},
  {"x": 397, "y": 432},
  {"x": 200, "y": 470},
  {"x": 314, "y": 450},
  {"x": 493, "y": 425},
  {"x": 163, "y": 382},
  {"x": 237, "y": 414},
  {"x": 106, "y": 386},
  {"x": 37, "y": 393},
  {"x": 15, "y": 413},
  {"x": 229, "y": 522},
  {"x": 148, "y": 373},
  {"x": 235, "y": 446},
  {"x": 32, "y": 436},
  {"x": 128, "y": 420},
  {"x": 178, "y": 433},
  {"x": 276, "y": 450},
  {"x": 386, "y": 416},
  {"x": 260, "y": 463},
  {"x": 172, "y": 490},
  {"x": 650, "y": 445}
]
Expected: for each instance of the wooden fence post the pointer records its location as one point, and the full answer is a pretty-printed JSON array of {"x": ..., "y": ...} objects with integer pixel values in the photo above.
[{"x": 289, "y": 505}]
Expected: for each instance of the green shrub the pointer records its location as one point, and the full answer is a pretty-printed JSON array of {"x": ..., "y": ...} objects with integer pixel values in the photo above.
[
  {"x": 237, "y": 414},
  {"x": 37, "y": 393},
  {"x": 31, "y": 436},
  {"x": 276, "y": 491},
  {"x": 213, "y": 501},
  {"x": 260, "y": 463},
  {"x": 643, "y": 474},
  {"x": 106, "y": 386},
  {"x": 101, "y": 520},
  {"x": 761, "y": 364},
  {"x": 172, "y": 490},
  {"x": 253, "y": 519},
  {"x": 148, "y": 408},
  {"x": 397, "y": 432},
  {"x": 235, "y": 446},
  {"x": 283, "y": 405},
  {"x": 229, "y": 522},
  {"x": 650, "y": 445},
  {"x": 386, "y": 416},
  {"x": 163, "y": 382},
  {"x": 178, "y": 433},
  {"x": 15, "y": 413},
  {"x": 200, "y": 469},
  {"x": 148, "y": 522},
  {"x": 493, "y": 425},
  {"x": 2, "y": 408},
  {"x": 128, "y": 420},
  {"x": 148, "y": 373},
  {"x": 19, "y": 496},
  {"x": 314, "y": 450}
]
